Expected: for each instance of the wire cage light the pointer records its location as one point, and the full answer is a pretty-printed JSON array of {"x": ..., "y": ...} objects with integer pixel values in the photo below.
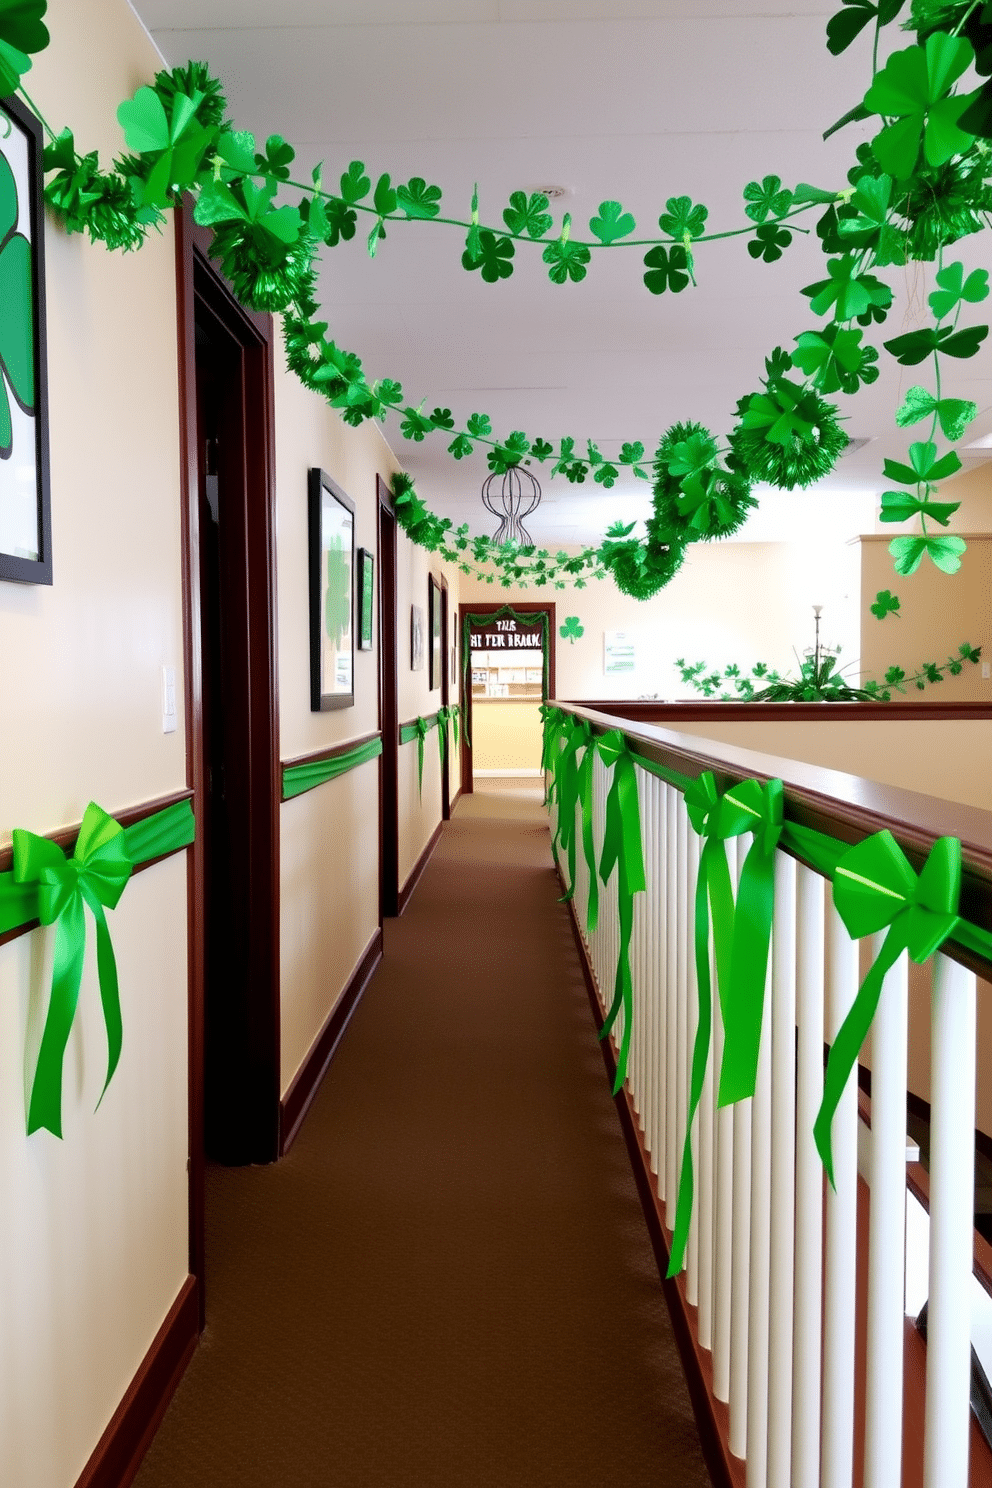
[{"x": 515, "y": 497}]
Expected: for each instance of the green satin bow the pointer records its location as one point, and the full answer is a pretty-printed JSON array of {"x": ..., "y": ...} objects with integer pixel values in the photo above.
[
  {"x": 552, "y": 722},
  {"x": 622, "y": 849},
  {"x": 874, "y": 887},
  {"x": 96, "y": 875}
]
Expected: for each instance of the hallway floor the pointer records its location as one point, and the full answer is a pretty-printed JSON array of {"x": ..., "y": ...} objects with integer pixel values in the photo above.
[{"x": 448, "y": 1283}]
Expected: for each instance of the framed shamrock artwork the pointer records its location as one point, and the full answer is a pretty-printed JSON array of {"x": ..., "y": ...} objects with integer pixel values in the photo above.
[
  {"x": 25, "y": 507},
  {"x": 332, "y": 599}
]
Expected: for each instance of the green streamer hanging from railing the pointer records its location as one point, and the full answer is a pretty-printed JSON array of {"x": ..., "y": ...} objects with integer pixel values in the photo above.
[{"x": 621, "y": 849}]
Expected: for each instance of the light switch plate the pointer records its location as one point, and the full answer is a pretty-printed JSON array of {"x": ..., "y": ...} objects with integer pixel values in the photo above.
[{"x": 168, "y": 700}]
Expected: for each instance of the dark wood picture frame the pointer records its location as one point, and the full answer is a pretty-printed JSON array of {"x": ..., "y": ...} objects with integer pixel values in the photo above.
[
  {"x": 365, "y": 598},
  {"x": 20, "y": 153},
  {"x": 332, "y": 653},
  {"x": 435, "y": 653}
]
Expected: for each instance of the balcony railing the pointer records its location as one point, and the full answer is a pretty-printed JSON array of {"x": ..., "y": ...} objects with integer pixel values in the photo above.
[{"x": 775, "y": 1256}]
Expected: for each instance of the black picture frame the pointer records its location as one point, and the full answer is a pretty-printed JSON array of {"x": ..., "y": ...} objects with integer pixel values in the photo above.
[
  {"x": 25, "y": 488},
  {"x": 332, "y": 594},
  {"x": 435, "y": 658},
  {"x": 365, "y": 592}
]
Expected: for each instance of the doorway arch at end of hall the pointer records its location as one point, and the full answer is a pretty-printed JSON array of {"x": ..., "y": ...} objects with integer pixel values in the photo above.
[{"x": 468, "y": 615}]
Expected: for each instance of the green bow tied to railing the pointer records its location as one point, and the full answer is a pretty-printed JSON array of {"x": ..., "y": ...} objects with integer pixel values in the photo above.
[
  {"x": 553, "y": 723},
  {"x": 874, "y": 887},
  {"x": 749, "y": 807},
  {"x": 714, "y": 821},
  {"x": 622, "y": 849},
  {"x": 96, "y": 875},
  {"x": 574, "y": 789}
]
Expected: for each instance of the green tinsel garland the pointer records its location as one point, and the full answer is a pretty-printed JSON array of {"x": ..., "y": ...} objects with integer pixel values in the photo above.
[{"x": 695, "y": 498}]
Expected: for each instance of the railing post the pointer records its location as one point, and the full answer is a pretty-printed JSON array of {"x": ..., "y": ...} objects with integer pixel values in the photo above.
[
  {"x": 886, "y": 1231},
  {"x": 660, "y": 1044},
  {"x": 741, "y": 1264},
  {"x": 671, "y": 1002},
  {"x": 952, "y": 1190},
  {"x": 723, "y": 1215},
  {"x": 690, "y": 869}
]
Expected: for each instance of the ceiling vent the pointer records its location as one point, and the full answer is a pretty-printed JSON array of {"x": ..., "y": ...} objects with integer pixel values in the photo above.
[{"x": 554, "y": 193}]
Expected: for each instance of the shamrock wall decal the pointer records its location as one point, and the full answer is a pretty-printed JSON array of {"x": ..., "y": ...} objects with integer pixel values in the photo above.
[
  {"x": 571, "y": 630},
  {"x": 886, "y": 603}
]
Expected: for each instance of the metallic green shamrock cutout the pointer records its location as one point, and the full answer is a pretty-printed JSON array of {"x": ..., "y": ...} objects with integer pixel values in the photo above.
[{"x": 571, "y": 630}]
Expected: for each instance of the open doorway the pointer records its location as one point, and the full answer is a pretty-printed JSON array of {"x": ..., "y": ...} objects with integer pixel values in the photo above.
[{"x": 507, "y": 671}]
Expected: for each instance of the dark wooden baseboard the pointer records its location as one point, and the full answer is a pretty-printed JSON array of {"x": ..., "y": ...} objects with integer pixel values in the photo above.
[
  {"x": 406, "y": 892},
  {"x": 712, "y": 1416},
  {"x": 298, "y": 1098},
  {"x": 117, "y": 1455},
  {"x": 454, "y": 799}
]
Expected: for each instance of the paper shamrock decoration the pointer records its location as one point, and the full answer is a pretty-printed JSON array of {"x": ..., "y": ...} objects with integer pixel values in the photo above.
[
  {"x": 16, "y": 337},
  {"x": 886, "y": 603},
  {"x": 571, "y": 630},
  {"x": 21, "y": 31}
]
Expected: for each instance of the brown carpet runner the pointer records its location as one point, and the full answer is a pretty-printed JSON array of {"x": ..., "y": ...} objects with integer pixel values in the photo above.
[{"x": 448, "y": 1283}]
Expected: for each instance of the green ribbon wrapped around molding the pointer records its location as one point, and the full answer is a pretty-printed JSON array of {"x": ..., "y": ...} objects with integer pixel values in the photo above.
[
  {"x": 446, "y": 715},
  {"x": 419, "y": 729},
  {"x": 875, "y": 887},
  {"x": 296, "y": 779},
  {"x": 44, "y": 885},
  {"x": 622, "y": 849}
]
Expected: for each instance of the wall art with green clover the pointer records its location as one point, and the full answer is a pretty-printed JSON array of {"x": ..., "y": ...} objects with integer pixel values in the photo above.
[{"x": 25, "y": 514}]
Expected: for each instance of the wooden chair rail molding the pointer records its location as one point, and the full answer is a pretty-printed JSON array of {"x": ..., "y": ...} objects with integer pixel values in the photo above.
[{"x": 843, "y": 806}]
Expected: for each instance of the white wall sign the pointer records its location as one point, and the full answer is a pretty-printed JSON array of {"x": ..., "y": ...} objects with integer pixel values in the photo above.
[{"x": 619, "y": 652}]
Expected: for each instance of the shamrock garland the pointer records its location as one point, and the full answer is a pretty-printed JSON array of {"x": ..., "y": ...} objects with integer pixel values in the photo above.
[
  {"x": 919, "y": 185},
  {"x": 819, "y": 680}
]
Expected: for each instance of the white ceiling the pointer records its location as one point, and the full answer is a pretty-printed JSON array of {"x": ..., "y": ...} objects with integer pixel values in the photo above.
[{"x": 638, "y": 101}]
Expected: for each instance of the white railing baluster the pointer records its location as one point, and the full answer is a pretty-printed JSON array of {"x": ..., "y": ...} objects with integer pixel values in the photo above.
[
  {"x": 741, "y": 1264},
  {"x": 661, "y": 993},
  {"x": 782, "y": 1015},
  {"x": 840, "y": 1276},
  {"x": 952, "y": 1191},
  {"x": 758, "y": 1291},
  {"x": 886, "y": 1230},
  {"x": 723, "y": 1231},
  {"x": 689, "y": 871},
  {"x": 809, "y": 1184}
]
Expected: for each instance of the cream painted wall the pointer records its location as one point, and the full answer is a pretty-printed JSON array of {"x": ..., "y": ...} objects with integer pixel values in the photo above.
[
  {"x": 937, "y": 613},
  {"x": 902, "y": 752},
  {"x": 730, "y": 602},
  {"x": 329, "y": 902},
  {"x": 310, "y": 433},
  {"x": 419, "y": 814},
  {"x": 506, "y": 735},
  {"x": 93, "y": 1235}
]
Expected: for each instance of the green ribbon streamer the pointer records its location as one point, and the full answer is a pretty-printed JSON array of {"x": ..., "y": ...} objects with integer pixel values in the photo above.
[
  {"x": 44, "y": 885},
  {"x": 419, "y": 729},
  {"x": 296, "y": 779},
  {"x": 874, "y": 888},
  {"x": 715, "y": 821},
  {"x": 622, "y": 849},
  {"x": 576, "y": 735}
]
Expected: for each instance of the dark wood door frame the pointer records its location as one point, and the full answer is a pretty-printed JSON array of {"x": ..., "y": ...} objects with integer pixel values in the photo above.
[
  {"x": 465, "y": 678},
  {"x": 199, "y": 283},
  {"x": 442, "y": 584},
  {"x": 389, "y": 823}
]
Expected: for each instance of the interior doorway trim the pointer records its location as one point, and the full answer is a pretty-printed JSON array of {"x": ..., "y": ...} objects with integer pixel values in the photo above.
[
  {"x": 389, "y": 722},
  {"x": 465, "y": 668},
  {"x": 197, "y": 277}
]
